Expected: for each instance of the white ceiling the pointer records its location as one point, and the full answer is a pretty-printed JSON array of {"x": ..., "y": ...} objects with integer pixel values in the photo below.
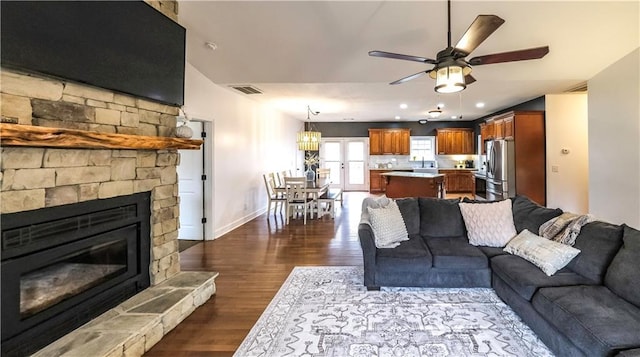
[{"x": 314, "y": 53}]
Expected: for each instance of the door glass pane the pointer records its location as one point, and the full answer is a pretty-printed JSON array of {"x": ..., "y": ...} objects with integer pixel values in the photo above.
[
  {"x": 356, "y": 173},
  {"x": 355, "y": 151},
  {"x": 332, "y": 151}
]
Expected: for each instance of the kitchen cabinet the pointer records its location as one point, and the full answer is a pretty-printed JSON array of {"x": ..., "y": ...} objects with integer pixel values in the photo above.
[
  {"x": 454, "y": 141},
  {"x": 508, "y": 128},
  {"x": 459, "y": 181},
  {"x": 498, "y": 129},
  {"x": 389, "y": 141},
  {"x": 377, "y": 182}
]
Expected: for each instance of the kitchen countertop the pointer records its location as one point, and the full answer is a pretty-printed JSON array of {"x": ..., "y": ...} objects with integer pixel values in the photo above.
[
  {"x": 455, "y": 169},
  {"x": 391, "y": 169},
  {"x": 411, "y": 174}
]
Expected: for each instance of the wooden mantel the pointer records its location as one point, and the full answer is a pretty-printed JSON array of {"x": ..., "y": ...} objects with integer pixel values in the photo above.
[{"x": 37, "y": 136}]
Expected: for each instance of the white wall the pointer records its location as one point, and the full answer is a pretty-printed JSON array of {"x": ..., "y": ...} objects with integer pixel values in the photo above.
[
  {"x": 249, "y": 139},
  {"x": 566, "y": 124},
  {"x": 614, "y": 142}
]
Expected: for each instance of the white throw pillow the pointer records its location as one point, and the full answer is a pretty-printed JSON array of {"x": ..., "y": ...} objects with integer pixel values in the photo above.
[
  {"x": 388, "y": 226},
  {"x": 489, "y": 224},
  {"x": 546, "y": 254}
]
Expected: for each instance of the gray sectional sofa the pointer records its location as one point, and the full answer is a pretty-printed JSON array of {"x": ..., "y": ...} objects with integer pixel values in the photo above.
[{"x": 591, "y": 307}]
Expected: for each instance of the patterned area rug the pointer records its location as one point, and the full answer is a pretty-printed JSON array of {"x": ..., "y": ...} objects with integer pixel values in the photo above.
[{"x": 326, "y": 311}]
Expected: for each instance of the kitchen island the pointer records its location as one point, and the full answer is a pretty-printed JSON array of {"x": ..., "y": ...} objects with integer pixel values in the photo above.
[{"x": 414, "y": 184}]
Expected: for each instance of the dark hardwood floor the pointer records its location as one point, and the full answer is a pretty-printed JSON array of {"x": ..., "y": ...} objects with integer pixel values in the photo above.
[{"x": 253, "y": 261}]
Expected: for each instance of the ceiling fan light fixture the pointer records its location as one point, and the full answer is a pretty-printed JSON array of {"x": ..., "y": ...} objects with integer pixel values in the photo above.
[{"x": 450, "y": 79}]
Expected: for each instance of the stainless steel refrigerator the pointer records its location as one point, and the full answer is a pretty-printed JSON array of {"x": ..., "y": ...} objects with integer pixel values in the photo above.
[{"x": 501, "y": 169}]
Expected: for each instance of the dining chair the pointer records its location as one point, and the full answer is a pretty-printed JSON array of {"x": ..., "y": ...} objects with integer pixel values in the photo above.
[
  {"x": 273, "y": 196},
  {"x": 281, "y": 175},
  {"x": 323, "y": 173},
  {"x": 333, "y": 194},
  {"x": 297, "y": 197}
]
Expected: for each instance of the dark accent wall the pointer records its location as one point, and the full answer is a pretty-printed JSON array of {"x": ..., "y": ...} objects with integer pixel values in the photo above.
[
  {"x": 533, "y": 104},
  {"x": 361, "y": 129}
]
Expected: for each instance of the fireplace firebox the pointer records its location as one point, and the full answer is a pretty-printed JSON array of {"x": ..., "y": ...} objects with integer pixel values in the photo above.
[{"x": 64, "y": 265}]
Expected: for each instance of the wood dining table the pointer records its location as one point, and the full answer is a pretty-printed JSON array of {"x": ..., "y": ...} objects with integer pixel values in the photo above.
[{"x": 315, "y": 188}]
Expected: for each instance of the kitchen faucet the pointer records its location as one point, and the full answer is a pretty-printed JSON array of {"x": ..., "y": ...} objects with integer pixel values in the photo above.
[{"x": 423, "y": 162}]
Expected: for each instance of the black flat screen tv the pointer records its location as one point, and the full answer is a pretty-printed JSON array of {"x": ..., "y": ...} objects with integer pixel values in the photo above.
[{"x": 124, "y": 46}]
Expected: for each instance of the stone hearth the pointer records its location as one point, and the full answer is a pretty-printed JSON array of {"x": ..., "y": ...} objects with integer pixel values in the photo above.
[{"x": 137, "y": 324}]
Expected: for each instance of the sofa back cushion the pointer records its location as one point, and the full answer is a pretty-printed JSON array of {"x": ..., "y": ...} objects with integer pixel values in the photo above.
[
  {"x": 598, "y": 243},
  {"x": 622, "y": 276},
  {"x": 410, "y": 210},
  {"x": 440, "y": 218},
  {"x": 529, "y": 215}
]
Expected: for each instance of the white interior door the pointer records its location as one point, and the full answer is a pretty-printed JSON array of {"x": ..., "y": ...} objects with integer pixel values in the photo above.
[
  {"x": 346, "y": 157},
  {"x": 191, "y": 189}
]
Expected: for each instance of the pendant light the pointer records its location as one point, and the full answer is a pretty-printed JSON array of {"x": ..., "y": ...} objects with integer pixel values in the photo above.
[{"x": 309, "y": 139}]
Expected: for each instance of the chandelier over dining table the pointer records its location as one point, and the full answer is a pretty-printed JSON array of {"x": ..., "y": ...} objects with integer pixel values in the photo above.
[{"x": 309, "y": 139}]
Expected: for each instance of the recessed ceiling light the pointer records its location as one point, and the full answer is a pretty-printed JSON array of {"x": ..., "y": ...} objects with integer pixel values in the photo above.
[
  {"x": 403, "y": 106},
  {"x": 441, "y": 105},
  {"x": 479, "y": 105},
  {"x": 454, "y": 117},
  {"x": 212, "y": 46},
  {"x": 397, "y": 117}
]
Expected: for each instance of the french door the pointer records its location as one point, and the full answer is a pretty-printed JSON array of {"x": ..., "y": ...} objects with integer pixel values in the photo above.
[{"x": 347, "y": 158}]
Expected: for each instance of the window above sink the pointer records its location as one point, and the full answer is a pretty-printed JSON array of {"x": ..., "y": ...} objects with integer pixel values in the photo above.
[{"x": 422, "y": 148}]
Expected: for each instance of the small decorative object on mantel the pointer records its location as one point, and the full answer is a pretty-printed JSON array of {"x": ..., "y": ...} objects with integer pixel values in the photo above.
[{"x": 184, "y": 131}]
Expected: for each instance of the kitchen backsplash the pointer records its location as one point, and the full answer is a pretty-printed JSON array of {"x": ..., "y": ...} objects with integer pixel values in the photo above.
[{"x": 402, "y": 161}]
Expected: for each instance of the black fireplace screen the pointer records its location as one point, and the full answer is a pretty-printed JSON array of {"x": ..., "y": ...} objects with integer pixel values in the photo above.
[{"x": 65, "y": 265}]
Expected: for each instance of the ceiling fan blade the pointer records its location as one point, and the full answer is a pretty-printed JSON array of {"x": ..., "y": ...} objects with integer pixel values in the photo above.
[
  {"x": 468, "y": 79},
  {"x": 408, "y": 78},
  {"x": 481, "y": 28},
  {"x": 401, "y": 56},
  {"x": 520, "y": 55}
]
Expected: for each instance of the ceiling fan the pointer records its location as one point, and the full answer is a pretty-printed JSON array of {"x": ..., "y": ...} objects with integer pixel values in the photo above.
[{"x": 451, "y": 70}]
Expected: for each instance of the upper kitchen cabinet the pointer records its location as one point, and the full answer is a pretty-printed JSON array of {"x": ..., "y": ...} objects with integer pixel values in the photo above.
[
  {"x": 454, "y": 141},
  {"x": 389, "y": 141}
]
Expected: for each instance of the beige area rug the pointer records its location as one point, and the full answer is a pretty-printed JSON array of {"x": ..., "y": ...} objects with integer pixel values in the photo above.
[{"x": 326, "y": 311}]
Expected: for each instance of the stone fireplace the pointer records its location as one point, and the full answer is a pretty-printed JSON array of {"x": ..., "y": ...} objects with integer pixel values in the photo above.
[{"x": 35, "y": 177}]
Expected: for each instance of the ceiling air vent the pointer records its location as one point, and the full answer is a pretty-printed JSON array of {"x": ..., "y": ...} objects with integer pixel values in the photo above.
[
  {"x": 247, "y": 89},
  {"x": 582, "y": 87}
]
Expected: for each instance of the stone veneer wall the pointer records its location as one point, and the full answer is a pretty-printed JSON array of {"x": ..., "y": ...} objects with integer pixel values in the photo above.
[{"x": 33, "y": 178}]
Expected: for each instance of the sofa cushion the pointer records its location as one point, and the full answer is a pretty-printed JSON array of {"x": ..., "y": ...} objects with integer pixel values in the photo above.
[
  {"x": 598, "y": 243},
  {"x": 529, "y": 215},
  {"x": 546, "y": 254},
  {"x": 592, "y": 317},
  {"x": 388, "y": 226},
  {"x": 440, "y": 218},
  {"x": 623, "y": 275},
  {"x": 410, "y": 255},
  {"x": 525, "y": 278},
  {"x": 456, "y": 253},
  {"x": 488, "y": 224},
  {"x": 410, "y": 210}
]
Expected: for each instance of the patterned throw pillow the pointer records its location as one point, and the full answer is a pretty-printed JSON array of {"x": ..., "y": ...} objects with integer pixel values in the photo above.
[
  {"x": 388, "y": 226},
  {"x": 546, "y": 254},
  {"x": 488, "y": 224}
]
